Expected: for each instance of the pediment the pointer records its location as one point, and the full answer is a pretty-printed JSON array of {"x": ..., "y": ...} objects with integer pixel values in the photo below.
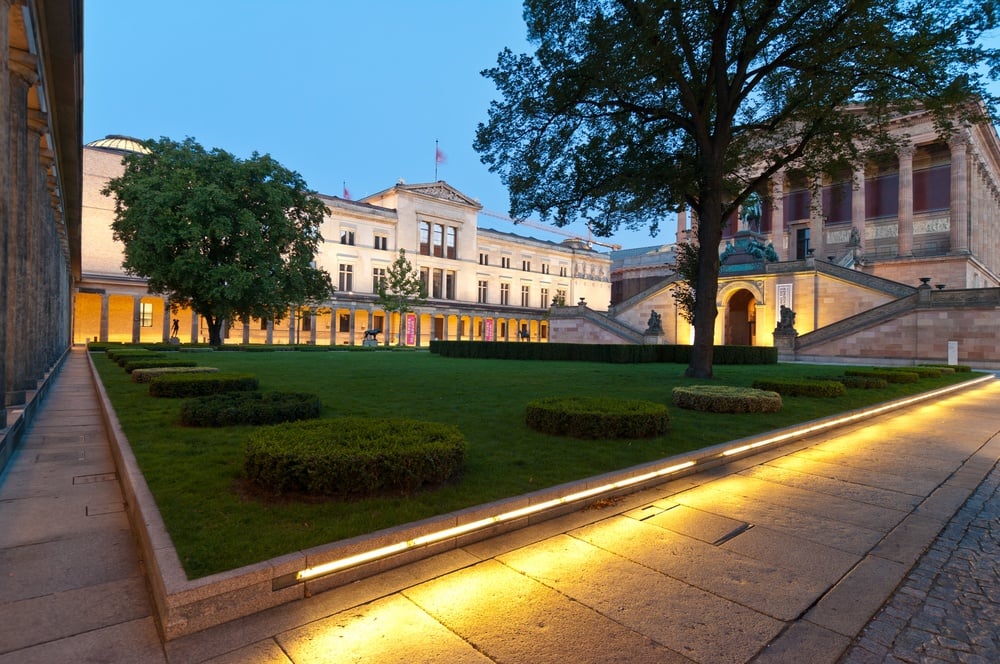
[{"x": 442, "y": 191}]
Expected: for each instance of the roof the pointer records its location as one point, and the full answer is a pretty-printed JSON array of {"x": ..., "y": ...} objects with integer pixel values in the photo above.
[{"x": 119, "y": 143}]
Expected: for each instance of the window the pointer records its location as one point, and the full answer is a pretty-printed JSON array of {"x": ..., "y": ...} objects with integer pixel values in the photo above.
[
  {"x": 381, "y": 242},
  {"x": 451, "y": 242},
  {"x": 505, "y": 261},
  {"x": 146, "y": 314},
  {"x": 306, "y": 321},
  {"x": 263, "y": 323},
  {"x": 484, "y": 259},
  {"x": 526, "y": 266},
  {"x": 439, "y": 240},
  {"x": 525, "y": 296},
  {"x": 378, "y": 322},
  {"x": 504, "y": 293},
  {"x": 436, "y": 282},
  {"x": 801, "y": 243},
  {"x": 483, "y": 291},
  {"x": 544, "y": 299},
  {"x": 425, "y": 238},
  {"x": 425, "y": 279},
  {"x": 378, "y": 278},
  {"x": 346, "y": 277},
  {"x": 545, "y": 268},
  {"x": 344, "y": 322},
  {"x": 347, "y": 237},
  {"x": 449, "y": 284},
  {"x": 561, "y": 297},
  {"x": 562, "y": 271}
]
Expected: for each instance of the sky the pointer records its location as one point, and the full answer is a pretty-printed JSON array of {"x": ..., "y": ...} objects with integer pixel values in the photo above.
[{"x": 346, "y": 92}]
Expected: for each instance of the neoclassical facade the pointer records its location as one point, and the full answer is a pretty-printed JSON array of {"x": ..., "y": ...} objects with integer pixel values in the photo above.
[
  {"x": 481, "y": 283},
  {"x": 40, "y": 134}
]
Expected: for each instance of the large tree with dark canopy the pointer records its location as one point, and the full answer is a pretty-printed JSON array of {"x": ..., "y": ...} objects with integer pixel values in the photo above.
[
  {"x": 630, "y": 109},
  {"x": 229, "y": 238}
]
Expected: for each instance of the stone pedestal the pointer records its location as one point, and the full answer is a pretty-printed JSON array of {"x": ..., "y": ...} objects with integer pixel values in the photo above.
[
  {"x": 651, "y": 338},
  {"x": 784, "y": 341}
]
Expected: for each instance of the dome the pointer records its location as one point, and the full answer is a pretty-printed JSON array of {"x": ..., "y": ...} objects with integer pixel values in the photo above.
[{"x": 119, "y": 144}]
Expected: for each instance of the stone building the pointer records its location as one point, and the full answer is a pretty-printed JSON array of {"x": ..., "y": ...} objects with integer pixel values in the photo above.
[
  {"x": 481, "y": 283},
  {"x": 879, "y": 263},
  {"x": 40, "y": 135}
]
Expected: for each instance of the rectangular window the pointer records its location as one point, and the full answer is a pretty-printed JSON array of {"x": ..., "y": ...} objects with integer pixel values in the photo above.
[
  {"x": 526, "y": 266},
  {"x": 344, "y": 322},
  {"x": 544, "y": 299},
  {"x": 437, "y": 277},
  {"x": 346, "y": 237},
  {"x": 504, "y": 293},
  {"x": 146, "y": 314},
  {"x": 796, "y": 205},
  {"x": 484, "y": 259},
  {"x": 505, "y": 261},
  {"x": 837, "y": 202},
  {"x": 525, "y": 296},
  {"x": 378, "y": 278},
  {"x": 561, "y": 297},
  {"x": 346, "y": 282},
  {"x": 451, "y": 242},
  {"x": 882, "y": 196},
  {"x": 449, "y": 284},
  {"x": 425, "y": 279},
  {"x": 378, "y": 322},
  {"x": 483, "y": 291},
  {"x": 306, "y": 321},
  {"x": 562, "y": 270},
  {"x": 425, "y": 238},
  {"x": 382, "y": 242},
  {"x": 801, "y": 243},
  {"x": 263, "y": 323},
  {"x": 932, "y": 189},
  {"x": 545, "y": 268},
  {"x": 439, "y": 240}
]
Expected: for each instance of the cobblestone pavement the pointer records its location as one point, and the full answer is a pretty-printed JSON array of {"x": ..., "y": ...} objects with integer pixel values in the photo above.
[{"x": 948, "y": 608}]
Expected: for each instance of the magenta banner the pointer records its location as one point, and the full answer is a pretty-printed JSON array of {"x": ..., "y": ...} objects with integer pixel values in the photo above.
[
  {"x": 411, "y": 329},
  {"x": 488, "y": 329}
]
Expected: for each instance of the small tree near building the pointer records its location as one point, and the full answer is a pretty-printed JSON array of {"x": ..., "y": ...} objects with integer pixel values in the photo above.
[{"x": 400, "y": 291}]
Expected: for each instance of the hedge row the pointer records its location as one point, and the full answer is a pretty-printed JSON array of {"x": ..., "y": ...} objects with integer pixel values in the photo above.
[
  {"x": 353, "y": 455},
  {"x": 886, "y": 374},
  {"x": 131, "y": 365},
  {"x": 801, "y": 388},
  {"x": 612, "y": 353},
  {"x": 146, "y": 375},
  {"x": 597, "y": 417},
  {"x": 863, "y": 382},
  {"x": 198, "y": 385},
  {"x": 249, "y": 408},
  {"x": 726, "y": 399}
]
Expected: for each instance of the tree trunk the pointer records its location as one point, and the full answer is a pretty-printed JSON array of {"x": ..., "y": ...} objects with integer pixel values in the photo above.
[
  {"x": 706, "y": 289},
  {"x": 214, "y": 330}
]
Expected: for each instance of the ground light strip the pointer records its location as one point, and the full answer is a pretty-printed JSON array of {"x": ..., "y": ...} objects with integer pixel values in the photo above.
[{"x": 472, "y": 526}]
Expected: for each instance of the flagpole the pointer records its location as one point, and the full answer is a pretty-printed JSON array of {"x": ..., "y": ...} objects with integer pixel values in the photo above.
[{"x": 436, "y": 153}]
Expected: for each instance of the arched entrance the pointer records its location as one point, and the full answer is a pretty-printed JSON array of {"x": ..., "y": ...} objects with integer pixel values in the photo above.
[{"x": 741, "y": 319}]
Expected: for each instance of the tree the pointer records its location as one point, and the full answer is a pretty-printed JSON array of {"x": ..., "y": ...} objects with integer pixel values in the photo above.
[
  {"x": 226, "y": 237},
  {"x": 400, "y": 290},
  {"x": 630, "y": 109}
]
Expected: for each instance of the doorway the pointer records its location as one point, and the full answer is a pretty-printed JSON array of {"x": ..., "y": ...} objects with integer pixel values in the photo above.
[{"x": 741, "y": 319}]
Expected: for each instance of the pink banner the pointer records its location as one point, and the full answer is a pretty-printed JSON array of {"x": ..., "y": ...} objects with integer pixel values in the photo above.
[
  {"x": 411, "y": 329},
  {"x": 488, "y": 329}
]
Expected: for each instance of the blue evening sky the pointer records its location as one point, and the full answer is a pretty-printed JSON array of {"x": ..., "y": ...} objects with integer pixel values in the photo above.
[{"x": 342, "y": 91}]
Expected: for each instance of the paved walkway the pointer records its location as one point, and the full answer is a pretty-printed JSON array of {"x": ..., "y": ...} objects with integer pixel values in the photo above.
[{"x": 782, "y": 557}]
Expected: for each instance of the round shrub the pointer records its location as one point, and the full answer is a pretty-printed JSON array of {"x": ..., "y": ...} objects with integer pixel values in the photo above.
[
  {"x": 597, "y": 417},
  {"x": 353, "y": 455},
  {"x": 232, "y": 408},
  {"x": 801, "y": 388},
  {"x": 726, "y": 399}
]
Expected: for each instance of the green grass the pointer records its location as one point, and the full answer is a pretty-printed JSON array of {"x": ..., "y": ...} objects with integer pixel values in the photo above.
[{"x": 215, "y": 524}]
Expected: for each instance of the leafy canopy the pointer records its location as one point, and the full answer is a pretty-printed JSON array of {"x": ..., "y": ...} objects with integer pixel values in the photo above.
[
  {"x": 227, "y": 237},
  {"x": 631, "y": 109}
]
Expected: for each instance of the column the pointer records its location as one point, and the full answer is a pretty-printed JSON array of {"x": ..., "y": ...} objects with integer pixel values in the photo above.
[
  {"x": 353, "y": 323},
  {"x": 103, "y": 334},
  {"x": 778, "y": 236},
  {"x": 292, "y": 326},
  {"x": 959, "y": 221},
  {"x": 166, "y": 321},
  {"x": 817, "y": 221},
  {"x": 5, "y": 187},
  {"x": 270, "y": 332},
  {"x": 37, "y": 332},
  {"x": 682, "y": 234},
  {"x": 904, "y": 228},
  {"x": 136, "y": 317},
  {"x": 246, "y": 331},
  {"x": 194, "y": 327},
  {"x": 312, "y": 326},
  {"x": 858, "y": 208}
]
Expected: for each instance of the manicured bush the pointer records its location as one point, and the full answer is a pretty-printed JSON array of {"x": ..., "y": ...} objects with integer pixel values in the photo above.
[
  {"x": 120, "y": 357},
  {"x": 942, "y": 370},
  {"x": 923, "y": 372},
  {"x": 958, "y": 368},
  {"x": 147, "y": 375},
  {"x": 726, "y": 399},
  {"x": 353, "y": 456},
  {"x": 131, "y": 365},
  {"x": 597, "y": 417},
  {"x": 234, "y": 408},
  {"x": 197, "y": 385},
  {"x": 863, "y": 382},
  {"x": 613, "y": 353},
  {"x": 801, "y": 388},
  {"x": 887, "y": 374}
]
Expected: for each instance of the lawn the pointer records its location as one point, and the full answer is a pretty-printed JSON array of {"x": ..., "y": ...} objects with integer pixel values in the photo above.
[{"x": 217, "y": 523}]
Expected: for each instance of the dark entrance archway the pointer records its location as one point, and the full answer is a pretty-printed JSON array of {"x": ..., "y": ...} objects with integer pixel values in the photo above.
[{"x": 741, "y": 319}]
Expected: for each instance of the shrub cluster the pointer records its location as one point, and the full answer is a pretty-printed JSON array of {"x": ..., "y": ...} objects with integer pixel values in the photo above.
[
  {"x": 146, "y": 375},
  {"x": 120, "y": 357},
  {"x": 143, "y": 363},
  {"x": 353, "y": 455},
  {"x": 233, "y": 408},
  {"x": 889, "y": 375},
  {"x": 198, "y": 385},
  {"x": 611, "y": 353},
  {"x": 726, "y": 399},
  {"x": 801, "y": 388},
  {"x": 957, "y": 368},
  {"x": 863, "y": 382},
  {"x": 597, "y": 417}
]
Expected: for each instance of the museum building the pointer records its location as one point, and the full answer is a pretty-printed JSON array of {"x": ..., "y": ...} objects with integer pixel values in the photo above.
[{"x": 481, "y": 283}]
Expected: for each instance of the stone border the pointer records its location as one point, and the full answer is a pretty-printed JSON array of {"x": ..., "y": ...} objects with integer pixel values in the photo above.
[{"x": 185, "y": 606}]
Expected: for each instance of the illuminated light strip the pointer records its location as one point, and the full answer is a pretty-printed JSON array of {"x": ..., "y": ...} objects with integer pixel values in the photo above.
[
  {"x": 472, "y": 526},
  {"x": 855, "y": 416}
]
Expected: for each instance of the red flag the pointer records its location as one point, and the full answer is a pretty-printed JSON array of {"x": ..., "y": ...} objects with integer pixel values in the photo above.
[
  {"x": 439, "y": 157},
  {"x": 347, "y": 194}
]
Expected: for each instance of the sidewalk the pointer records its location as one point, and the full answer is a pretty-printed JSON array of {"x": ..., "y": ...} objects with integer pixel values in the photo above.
[{"x": 779, "y": 557}]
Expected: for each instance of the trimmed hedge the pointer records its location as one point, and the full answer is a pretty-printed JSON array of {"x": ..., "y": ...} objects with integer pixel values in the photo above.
[
  {"x": 863, "y": 382},
  {"x": 146, "y": 375},
  {"x": 726, "y": 399},
  {"x": 133, "y": 364},
  {"x": 122, "y": 357},
  {"x": 801, "y": 388},
  {"x": 597, "y": 417},
  {"x": 888, "y": 375},
  {"x": 353, "y": 455},
  {"x": 199, "y": 385},
  {"x": 611, "y": 353},
  {"x": 958, "y": 368},
  {"x": 234, "y": 408}
]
